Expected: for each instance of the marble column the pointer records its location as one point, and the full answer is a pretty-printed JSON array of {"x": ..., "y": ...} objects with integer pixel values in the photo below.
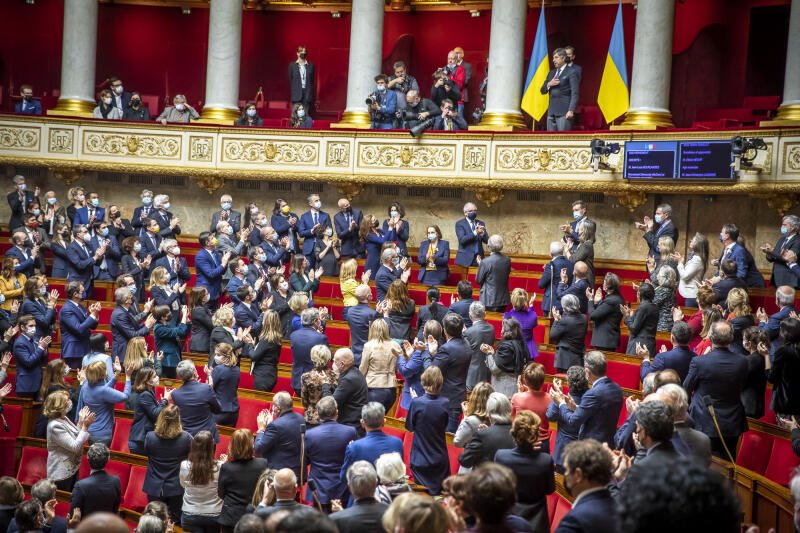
[
  {"x": 78, "y": 53},
  {"x": 652, "y": 66},
  {"x": 506, "y": 42},
  {"x": 789, "y": 111},
  {"x": 366, "y": 51},
  {"x": 221, "y": 105}
]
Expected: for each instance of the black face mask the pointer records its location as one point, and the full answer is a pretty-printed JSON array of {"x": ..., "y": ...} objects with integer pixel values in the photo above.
[
  {"x": 136, "y": 103},
  {"x": 302, "y": 55},
  {"x": 27, "y": 97}
]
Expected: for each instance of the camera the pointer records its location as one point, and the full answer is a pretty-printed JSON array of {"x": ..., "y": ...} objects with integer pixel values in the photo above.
[
  {"x": 372, "y": 100},
  {"x": 420, "y": 128},
  {"x": 477, "y": 115},
  {"x": 403, "y": 87},
  {"x": 408, "y": 115}
]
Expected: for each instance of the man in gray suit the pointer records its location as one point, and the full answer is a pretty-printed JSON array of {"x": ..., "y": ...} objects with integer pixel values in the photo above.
[
  {"x": 493, "y": 275},
  {"x": 226, "y": 213},
  {"x": 697, "y": 442},
  {"x": 480, "y": 332}
]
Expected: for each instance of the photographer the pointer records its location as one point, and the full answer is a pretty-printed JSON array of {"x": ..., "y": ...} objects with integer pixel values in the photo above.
[
  {"x": 444, "y": 88},
  {"x": 417, "y": 110},
  {"x": 401, "y": 83},
  {"x": 382, "y": 105},
  {"x": 449, "y": 119}
]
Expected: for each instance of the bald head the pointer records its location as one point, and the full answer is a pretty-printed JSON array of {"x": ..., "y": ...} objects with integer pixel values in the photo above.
[
  {"x": 580, "y": 270},
  {"x": 363, "y": 294},
  {"x": 285, "y": 484},
  {"x": 343, "y": 358},
  {"x": 103, "y": 523},
  {"x": 343, "y": 203}
]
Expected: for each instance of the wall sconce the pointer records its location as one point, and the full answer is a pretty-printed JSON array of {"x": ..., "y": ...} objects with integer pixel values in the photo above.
[
  {"x": 474, "y": 13},
  {"x": 336, "y": 14},
  {"x": 186, "y": 10}
]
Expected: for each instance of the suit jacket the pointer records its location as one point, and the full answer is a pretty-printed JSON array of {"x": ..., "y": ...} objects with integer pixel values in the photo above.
[
  {"x": 163, "y": 218},
  {"x": 434, "y": 311},
  {"x": 124, "y": 327},
  {"x": 96, "y": 493},
  {"x": 550, "y": 278},
  {"x": 781, "y": 275},
  {"x": 280, "y": 224},
  {"x": 111, "y": 257},
  {"x": 383, "y": 278},
  {"x": 667, "y": 229},
  {"x": 145, "y": 412},
  {"x": 718, "y": 376},
  {"x": 302, "y": 341},
  {"x": 349, "y": 237},
  {"x": 461, "y": 308},
  {"x": 724, "y": 286},
  {"x": 457, "y": 123},
  {"x": 164, "y": 457},
  {"x": 427, "y": 418},
  {"x": 351, "y": 395},
  {"x": 576, "y": 287},
  {"x": 594, "y": 512},
  {"x": 369, "y": 448},
  {"x": 363, "y": 517},
  {"x": 153, "y": 249},
  {"x": 484, "y": 445},
  {"x": 304, "y": 225},
  {"x": 82, "y": 215},
  {"x": 237, "y": 482},
  {"x": 81, "y": 263},
  {"x": 325, "y": 448},
  {"x": 234, "y": 219},
  {"x": 39, "y": 235},
  {"x": 201, "y": 330},
  {"x": 606, "y": 317},
  {"x": 76, "y": 324},
  {"x": 209, "y": 272},
  {"x": 697, "y": 442},
  {"x": 535, "y": 479},
  {"x": 226, "y": 385},
  {"x": 564, "y": 96},
  {"x": 678, "y": 359},
  {"x": 469, "y": 244},
  {"x": 30, "y": 358},
  {"x": 34, "y": 107},
  {"x": 180, "y": 273},
  {"x": 598, "y": 411},
  {"x": 772, "y": 326},
  {"x": 44, "y": 316},
  {"x": 136, "y": 219},
  {"x": 18, "y": 207},
  {"x": 642, "y": 327},
  {"x": 481, "y": 332},
  {"x": 453, "y": 358},
  {"x": 492, "y": 276},
  {"x": 359, "y": 317},
  {"x": 27, "y": 263},
  {"x": 568, "y": 334},
  {"x": 296, "y": 84},
  {"x": 280, "y": 443},
  {"x": 197, "y": 403},
  {"x": 440, "y": 259},
  {"x": 746, "y": 269},
  {"x": 276, "y": 255}
]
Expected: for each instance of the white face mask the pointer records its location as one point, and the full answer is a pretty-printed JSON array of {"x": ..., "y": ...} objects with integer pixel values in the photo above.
[
  {"x": 166, "y": 205},
  {"x": 86, "y": 237},
  {"x": 317, "y": 205},
  {"x": 335, "y": 368},
  {"x": 176, "y": 251},
  {"x": 31, "y": 331},
  {"x": 66, "y": 373},
  {"x": 155, "y": 381},
  {"x": 284, "y": 285},
  {"x": 69, "y": 407},
  {"x": 107, "y": 101},
  {"x": 167, "y": 277},
  {"x": 118, "y": 89},
  {"x": 180, "y": 107}
]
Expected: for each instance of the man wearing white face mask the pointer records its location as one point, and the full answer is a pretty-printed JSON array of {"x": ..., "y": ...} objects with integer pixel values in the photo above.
[
  {"x": 310, "y": 226},
  {"x": 82, "y": 258},
  {"x": 30, "y": 353},
  {"x": 180, "y": 112},
  {"x": 660, "y": 226},
  {"x": 142, "y": 213},
  {"x": 579, "y": 217},
  {"x": 120, "y": 97},
  {"x": 227, "y": 243},
  {"x": 172, "y": 261},
  {"x": 108, "y": 269},
  {"x": 168, "y": 224},
  {"x": 227, "y": 214}
]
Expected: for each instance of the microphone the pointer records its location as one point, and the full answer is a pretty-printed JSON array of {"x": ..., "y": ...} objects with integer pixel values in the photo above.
[
  {"x": 312, "y": 486},
  {"x": 709, "y": 403}
]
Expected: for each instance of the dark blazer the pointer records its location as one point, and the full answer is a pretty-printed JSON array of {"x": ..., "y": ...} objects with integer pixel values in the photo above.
[
  {"x": 400, "y": 235},
  {"x": 181, "y": 273},
  {"x": 219, "y": 335},
  {"x": 440, "y": 259},
  {"x": 325, "y": 448},
  {"x": 304, "y": 225},
  {"x": 145, "y": 413},
  {"x": 724, "y": 286},
  {"x": 124, "y": 327},
  {"x": 234, "y": 219},
  {"x": 111, "y": 257},
  {"x": 33, "y": 107},
  {"x": 369, "y": 448},
  {"x": 566, "y": 432},
  {"x": 302, "y": 341},
  {"x": 457, "y": 123},
  {"x": 280, "y": 442},
  {"x": 576, "y": 287},
  {"x": 44, "y": 316},
  {"x": 363, "y": 517},
  {"x": 82, "y": 215},
  {"x": 596, "y": 513},
  {"x": 771, "y": 326},
  {"x": 434, "y": 311},
  {"x": 276, "y": 255},
  {"x": 151, "y": 248},
  {"x": 492, "y": 276},
  {"x": 27, "y": 263},
  {"x": 642, "y": 327},
  {"x": 746, "y": 269},
  {"x": 469, "y": 244},
  {"x": 564, "y": 96},
  {"x": 163, "y": 218},
  {"x": 281, "y": 224},
  {"x": 755, "y": 386},
  {"x": 535, "y": 480},
  {"x": 136, "y": 219},
  {"x": 75, "y": 325},
  {"x": 606, "y": 317},
  {"x": 461, "y": 308},
  {"x": 453, "y": 358},
  {"x": 550, "y": 278},
  {"x": 237, "y": 482},
  {"x": 81, "y": 264},
  {"x": 296, "y": 84},
  {"x": 226, "y": 385},
  {"x": 667, "y": 229},
  {"x": 784, "y": 377},
  {"x": 349, "y": 237},
  {"x": 209, "y": 272},
  {"x": 264, "y": 359},
  {"x": 351, "y": 395},
  {"x": 201, "y": 329},
  {"x": 98, "y": 492},
  {"x": 428, "y": 417},
  {"x": 720, "y": 376},
  {"x": 30, "y": 358},
  {"x": 359, "y": 317},
  {"x": 568, "y": 334},
  {"x": 60, "y": 259},
  {"x": 678, "y": 359},
  {"x": 481, "y": 332},
  {"x": 383, "y": 278},
  {"x": 781, "y": 275},
  {"x": 197, "y": 403},
  {"x": 164, "y": 458},
  {"x": 484, "y": 445},
  {"x": 18, "y": 207},
  {"x": 598, "y": 411}
]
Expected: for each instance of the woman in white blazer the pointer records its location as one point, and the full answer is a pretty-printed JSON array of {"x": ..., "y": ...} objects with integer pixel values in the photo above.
[{"x": 65, "y": 440}]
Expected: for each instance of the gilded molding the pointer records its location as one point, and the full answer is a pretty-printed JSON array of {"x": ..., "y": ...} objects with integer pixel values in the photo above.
[
  {"x": 473, "y": 158},
  {"x": 61, "y": 141},
  {"x": 254, "y": 151},
  {"x": 210, "y": 183},
  {"x": 781, "y": 203},
  {"x": 350, "y": 190},
  {"x": 201, "y": 148},
  {"x": 489, "y": 196},
  {"x": 791, "y": 158},
  {"x": 630, "y": 199},
  {"x": 20, "y": 138},
  {"x": 131, "y": 145},
  {"x": 541, "y": 159},
  {"x": 337, "y": 154},
  {"x": 68, "y": 176},
  {"x": 428, "y": 156}
]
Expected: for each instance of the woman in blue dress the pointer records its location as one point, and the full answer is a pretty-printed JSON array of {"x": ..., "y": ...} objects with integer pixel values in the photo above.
[{"x": 372, "y": 237}]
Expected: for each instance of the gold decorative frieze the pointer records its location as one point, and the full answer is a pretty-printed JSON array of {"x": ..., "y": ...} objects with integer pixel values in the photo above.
[
  {"x": 474, "y": 158},
  {"x": 201, "y": 148},
  {"x": 270, "y": 151},
  {"x": 61, "y": 141},
  {"x": 209, "y": 183},
  {"x": 20, "y": 138},
  {"x": 542, "y": 159},
  {"x": 791, "y": 158},
  {"x": 489, "y": 196},
  {"x": 403, "y": 156},
  {"x": 350, "y": 190},
  {"x": 136, "y": 145},
  {"x": 338, "y": 154}
]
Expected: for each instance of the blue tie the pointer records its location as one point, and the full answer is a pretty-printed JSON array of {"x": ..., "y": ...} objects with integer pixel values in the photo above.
[{"x": 477, "y": 240}]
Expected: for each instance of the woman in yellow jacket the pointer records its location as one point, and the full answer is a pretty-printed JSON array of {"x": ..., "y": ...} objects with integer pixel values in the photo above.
[{"x": 12, "y": 283}]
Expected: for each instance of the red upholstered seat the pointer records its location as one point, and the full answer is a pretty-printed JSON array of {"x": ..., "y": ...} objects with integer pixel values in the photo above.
[
  {"x": 13, "y": 416},
  {"x": 115, "y": 468},
  {"x": 754, "y": 452},
  {"x": 248, "y": 413},
  {"x": 782, "y": 461},
  {"x": 453, "y": 452},
  {"x": 338, "y": 335},
  {"x": 408, "y": 440},
  {"x": 246, "y": 380},
  {"x": 624, "y": 374},
  {"x": 552, "y": 500},
  {"x": 133, "y": 498},
  {"x": 222, "y": 445},
  {"x": 284, "y": 384},
  {"x": 562, "y": 508},
  {"x": 119, "y": 439},
  {"x": 32, "y": 465},
  {"x": 286, "y": 355}
]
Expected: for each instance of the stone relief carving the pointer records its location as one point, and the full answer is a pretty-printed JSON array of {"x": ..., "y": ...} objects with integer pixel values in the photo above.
[
  {"x": 249, "y": 151},
  {"x": 521, "y": 158},
  {"x": 19, "y": 138},
  {"x": 404, "y": 156},
  {"x": 144, "y": 146}
]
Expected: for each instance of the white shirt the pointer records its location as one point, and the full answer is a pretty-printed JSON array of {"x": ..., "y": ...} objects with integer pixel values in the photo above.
[{"x": 302, "y": 67}]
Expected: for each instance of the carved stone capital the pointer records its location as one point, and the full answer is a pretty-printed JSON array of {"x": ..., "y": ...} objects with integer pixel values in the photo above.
[
  {"x": 779, "y": 202},
  {"x": 349, "y": 190},
  {"x": 68, "y": 176},
  {"x": 489, "y": 196},
  {"x": 209, "y": 183},
  {"x": 630, "y": 199}
]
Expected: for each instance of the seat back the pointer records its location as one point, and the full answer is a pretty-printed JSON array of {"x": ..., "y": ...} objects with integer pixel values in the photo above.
[
  {"x": 754, "y": 451},
  {"x": 119, "y": 439},
  {"x": 246, "y": 381},
  {"x": 133, "y": 497},
  {"x": 562, "y": 508},
  {"x": 222, "y": 445},
  {"x": 248, "y": 413},
  {"x": 114, "y": 468},
  {"x": 782, "y": 461},
  {"x": 32, "y": 465}
]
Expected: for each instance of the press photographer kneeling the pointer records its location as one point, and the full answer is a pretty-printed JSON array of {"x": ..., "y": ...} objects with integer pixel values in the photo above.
[
  {"x": 447, "y": 119},
  {"x": 382, "y": 105},
  {"x": 417, "y": 110}
]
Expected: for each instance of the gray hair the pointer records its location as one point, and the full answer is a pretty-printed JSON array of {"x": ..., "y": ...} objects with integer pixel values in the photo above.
[
  {"x": 97, "y": 456},
  {"x": 362, "y": 479},
  {"x": 327, "y": 408},
  {"x": 666, "y": 208},
  {"x": 794, "y": 486},
  {"x": 570, "y": 304},
  {"x": 19, "y": 178},
  {"x": 677, "y": 397},
  {"x": 556, "y": 248},
  {"x": 43, "y": 490},
  {"x": 373, "y": 414},
  {"x": 388, "y": 254},
  {"x": 390, "y": 468},
  {"x": 399, "y": 64},
  {"x": 179, "y": 97},
  {"x": 649, "y": 384},
  {"x": 595, "y": 361},
  {"x": 793, "y": 221},
  {"x": 167, "y": 244},
  {"x": 121, "y": 294},
  {"x": 470, "y": 204},
  {"x": 283, "y": 400},
  {"x": 666, "y": 276},
  {"x": 185, "y": 370},
  {"x": 160, "y": 199},
  {"x": 495, "y": 243},
  {"x": 308, "y": 316},
  {"x": 784, "y": 295},
  {"x": 150, "y": 523},
  {"x": 498, "y": 408},
  {"x": 561, "y": 52},
  {"x": 477, "y": 310}
]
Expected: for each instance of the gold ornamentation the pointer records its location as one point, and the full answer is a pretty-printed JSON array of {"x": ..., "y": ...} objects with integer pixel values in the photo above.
[
  {"x": 19, "y": 138},
  {"x": 791, "y": 158},
  {"x": 61, "y": 141},
  {"x": 252, "y": 151},
  {"x": 630, "y": 199},
  {"x": 149, "y": 146},
  {"x": 500, "y": 121},
  {"x": 201, "y": 148},
  {"x": 350, "y": 190},
  {"x": 338, "y": 154},
  {"x": 358, "y": 120},
  {"x": 405, "y": 156},
  {"x": 523, "y": 158},
  {"x": 781, "y": 203},
  {"x": 489, "y": 196},
  {"x": 73, "y": 107},
  {"x": 645, "y": 120},
  {"x": 209, "y": 182},
  {"x": 68, "y": 176},
  {"x": 474, "y": 158}
]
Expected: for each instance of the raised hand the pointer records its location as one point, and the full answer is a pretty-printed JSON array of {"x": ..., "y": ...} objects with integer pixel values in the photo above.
[
  {"x": 365, "y": 277},
  {"x": 44, "y": 342},
  {"x": 677, "y": 314},
  {"x": 11, "y": 332},
  {"x": 6, "y": 360},
  {"x": 75, "y": 518},
  {"x": 488, "y": 349},
  {"x": 761, "y": 315},
  {"x": 433, "y": 345},
  {"x": 408, "y": 349},
  {"x": 642, "y": 351},
  {"x": 52, "y": 297},
  {"x": 150, "y": 321},
  {"x": 5, "y": 391},
  {"x": 117, "y": 366},
  {"x": 556, "y": 314}
]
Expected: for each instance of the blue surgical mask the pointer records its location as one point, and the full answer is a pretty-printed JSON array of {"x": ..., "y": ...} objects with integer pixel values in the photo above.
[
  {"x": 37, "y": 212},
  {"x": 226, "y": 205},
  {"x": 132, "y": 288},
  {"x": 147, "y": 200},
  {"x": 432, "y": 236},
  {"x": 721, "y": 238},
  {"x": 166, "y": 205},
  {"x": 104, "y": 232},
  {"x": 275, "y": 237},
  {"x": 167, "y": 277},
  {"x": 658, "y": 219},
  {"x": 137, "y": 247},
  {"x": 317, "y": 205},
  {"x": 42, "y": 290},
  {"x": 301, "y": 113},
  {"x": 329, "y": 232},
  {"x": 251, "y": 112},
  {"x": 95, "y": 202},
  {"x": 245, "y": 268},
  {"x": 784, "y": 230},
  {"x": 52, "y": 201},
  {"x": 380, "y": 88},
  {"x": 396, "y": 260},
  {"x": 576, "y": 215},
  {"x": 262, "y": 257}
]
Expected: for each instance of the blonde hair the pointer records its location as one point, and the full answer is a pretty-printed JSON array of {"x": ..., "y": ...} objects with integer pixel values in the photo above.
[
  {"x": 168, "y": 423},
  {"x": 739, "y": 302},
  {"x": 298, "y": 302},
  {"x": 432, "y": 380},
  {"x": 271, "y": 328},
  {"x": 135, "y": 354},
  {"x": 476, "y": 405},
  {"x": 519, "y": 299},
  {"x": 348, "y": 269},
  {"x": 411, "y": 512},
  {"x": 666, "y": 246},
  {"x": 379, "y": 331},
  {"x": 223, "y": 317},
  {"x": 320, "y": 356},
  {"x": 55, "y": 405},
  {"x": 96, "y": 372},
  {"x": 226, "y": 353},
  {"x": 158, "y": 277}
]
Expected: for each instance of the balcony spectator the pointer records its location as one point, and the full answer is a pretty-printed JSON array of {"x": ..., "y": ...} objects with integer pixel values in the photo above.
[
  {"x": 29, "y": 105},
  {"x": 300, "y": 118},
  {"x": 105, "y": 108},
  {"x": 249, "y": 116},
  {"x": 179, "y": 112},
  {"x": 135, "y": 110}
]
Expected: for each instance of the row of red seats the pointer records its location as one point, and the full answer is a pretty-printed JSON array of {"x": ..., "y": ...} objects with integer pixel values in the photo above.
[{"x": 768, "y": 455}]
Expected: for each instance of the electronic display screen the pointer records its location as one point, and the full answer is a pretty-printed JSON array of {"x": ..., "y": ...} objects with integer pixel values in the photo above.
[
  {"x": 654, "y": 160},
  {"x": 705, "y": 160}
]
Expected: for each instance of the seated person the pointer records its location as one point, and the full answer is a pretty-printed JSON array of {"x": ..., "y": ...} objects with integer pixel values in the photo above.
[
  {"x": 300, "y": 119},
  {"x": 105, "y": 107},
  {"x": 136, "y": 110},
  {"x": 179, "y": 112},
  {"x": 249, "y": 116},
  {"x": 449, "y": 119},
  {"x": 29, "y": 105}
]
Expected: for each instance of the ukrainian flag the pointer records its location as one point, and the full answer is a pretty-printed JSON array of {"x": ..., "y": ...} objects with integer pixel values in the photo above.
[
  {"x": 614, "y": 97},
  {"x": 534, "y": 102}
]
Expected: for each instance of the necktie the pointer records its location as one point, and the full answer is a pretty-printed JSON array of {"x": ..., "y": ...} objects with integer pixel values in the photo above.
[
  {"x": 172, "y": 265},
  {"x": 91, "y": 213},
  {"x": 316, "y": 221}
]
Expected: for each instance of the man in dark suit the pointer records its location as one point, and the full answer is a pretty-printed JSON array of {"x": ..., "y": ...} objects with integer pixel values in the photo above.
[
  {"x": 449, "y": 119},
  {"x": 226, "y": 213},
  {"x": 563, "y": 85},
  {"x": 374, "y": 443},
  {"x": 81, "y": 259},
  {"x": 168, "y": 224},
  {"x": 551, "y": 273},
  {"x": 366, "y": 513},
  {"x": 471, "y": 234},
  {"x": 660, "y": 226},
  {"x": 576, "y": 287},
  {"x": 30, "y": 353},
  {"x": 497, "y": 436},
  {"x": 35, "y": 238},
  {"x": 280, "y": 433},
  {"x": 100, "y": 491},
  {"x": 570, "y": 50},
  {"x": 492, "y": 276},
  {"x": 479, "y": 333},
  {"x": 654, "y": 431},
  {"x": 18, "y": 200},
  {"x": 788, "y": 241},
  {"x": 108, "y": 267},
  {"x": 351, "y": 390},
  {"x": 276, "y": 249},
  {"x": 716, "y": 380},
  {"x": 359, "y": 317},
  {"x": 694, "y": 443},
  {"x": 461, "y": 305},
  {"x": 285, "y": 486},
  {"x": 390, "y": 270},
  {"x": 453, "y": 359},
  {"x": 784, "y": 300},
  {"x": 76, "y": 324},
  {"x": 196, "y": 400},
  {"x": 588, "y": 472},
  {"x": 91, "y": 212},
  {"x": 120, "y": 98},
  {"x": 600, "y": 406},
  {"x": 733, "y": 251},
  {"x": 151, "y": 241},
  {"x": 726, "y": 281},
  {"x": 142, "y": 212},
  {"x": 347, "y": 223},
  {"x": 678, "y": 358},
  {"x": 302, "y": 341},
  {"x": 210, "y": 266},
  {"x": 302, "y": 80},
  {"x": 124, "y": 325},
  {"x": 310, "y": 226},
  {"x": 325, "y": 448},
  {"x": 29, "y": 105},
  {"x": 28, "y": 258}
]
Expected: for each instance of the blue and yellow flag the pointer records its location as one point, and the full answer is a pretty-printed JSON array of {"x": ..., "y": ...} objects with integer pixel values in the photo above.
[
  {"x": 534, "y": 102},
  {"x": 614, "y": 98}
]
